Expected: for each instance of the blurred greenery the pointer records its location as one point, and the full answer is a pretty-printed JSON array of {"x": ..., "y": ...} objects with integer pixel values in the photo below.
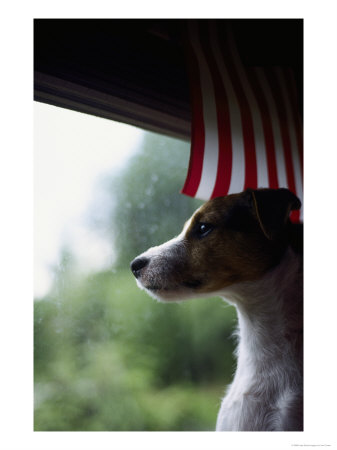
[
  {"x": 146, "y": 207},
  {"x": 108, "y": 357}
]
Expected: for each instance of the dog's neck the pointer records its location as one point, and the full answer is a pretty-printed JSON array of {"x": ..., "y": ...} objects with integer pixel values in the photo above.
[{"x": 269, "y": 319}]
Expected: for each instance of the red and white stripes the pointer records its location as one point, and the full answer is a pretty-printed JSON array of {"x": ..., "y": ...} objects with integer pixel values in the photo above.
[{"x": 246, "y": 129}]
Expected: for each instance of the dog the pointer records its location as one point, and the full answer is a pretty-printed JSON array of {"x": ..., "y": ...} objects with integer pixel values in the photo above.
[{"x": 244, "y": 248}]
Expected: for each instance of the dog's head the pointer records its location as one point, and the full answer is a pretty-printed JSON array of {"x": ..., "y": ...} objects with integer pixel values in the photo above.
[{"x": 228, "y": 240}]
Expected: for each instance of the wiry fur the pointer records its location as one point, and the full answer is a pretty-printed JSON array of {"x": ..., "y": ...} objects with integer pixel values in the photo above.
[
  {"x": 266, "y": 393},
  {"x": 251, "y": 257}
]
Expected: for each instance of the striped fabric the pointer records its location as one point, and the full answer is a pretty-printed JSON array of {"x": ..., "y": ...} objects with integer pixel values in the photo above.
[{"x": 246, "y": 129}]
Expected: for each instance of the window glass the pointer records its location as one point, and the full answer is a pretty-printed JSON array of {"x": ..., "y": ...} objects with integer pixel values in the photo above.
[{"x": 106, "y": 356}]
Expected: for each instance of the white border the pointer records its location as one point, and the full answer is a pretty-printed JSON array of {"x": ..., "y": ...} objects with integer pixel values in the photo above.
[{"x": 320, "y": 225}]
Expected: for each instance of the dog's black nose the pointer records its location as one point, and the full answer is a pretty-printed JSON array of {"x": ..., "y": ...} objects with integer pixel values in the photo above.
[{"x": 138, "y": 264}]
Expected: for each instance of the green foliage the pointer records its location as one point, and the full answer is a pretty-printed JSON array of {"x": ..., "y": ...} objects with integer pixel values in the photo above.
[{"x": 107, "y": 357}]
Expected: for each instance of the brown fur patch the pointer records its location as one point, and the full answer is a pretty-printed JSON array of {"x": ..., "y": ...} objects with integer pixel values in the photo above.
[
  {"x": 235, "y": 250},
  {"x": 228, "y": 240}
]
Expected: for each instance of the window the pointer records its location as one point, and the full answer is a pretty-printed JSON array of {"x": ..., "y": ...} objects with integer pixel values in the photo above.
[{"x": 106, "y": 355}]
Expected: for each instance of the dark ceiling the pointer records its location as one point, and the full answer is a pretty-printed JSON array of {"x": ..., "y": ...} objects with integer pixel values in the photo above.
[{"x": 133, "y": 70}]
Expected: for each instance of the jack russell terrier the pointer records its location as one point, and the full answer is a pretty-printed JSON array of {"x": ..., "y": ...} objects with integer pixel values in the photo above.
[{"x": 244, "y": 248}]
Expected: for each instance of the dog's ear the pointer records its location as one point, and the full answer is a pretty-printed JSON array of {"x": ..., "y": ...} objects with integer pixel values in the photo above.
[{"x": 272, "y": 208}]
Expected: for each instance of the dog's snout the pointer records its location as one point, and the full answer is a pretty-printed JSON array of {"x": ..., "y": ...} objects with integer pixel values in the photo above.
[{"x": 138, "y": 264}]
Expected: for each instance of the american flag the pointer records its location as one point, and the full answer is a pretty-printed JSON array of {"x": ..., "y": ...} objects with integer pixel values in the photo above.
[{"x": 246, "y": 126}]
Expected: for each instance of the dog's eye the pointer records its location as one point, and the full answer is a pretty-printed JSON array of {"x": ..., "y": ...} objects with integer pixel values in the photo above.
[{"x": 203, "y": 229}]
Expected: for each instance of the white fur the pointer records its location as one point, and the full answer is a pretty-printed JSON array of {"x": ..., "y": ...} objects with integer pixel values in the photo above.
[{"x": 266, "y": 394}]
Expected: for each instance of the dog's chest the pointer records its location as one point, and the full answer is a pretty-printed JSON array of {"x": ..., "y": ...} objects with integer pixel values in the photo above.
[
  {"x": 246, "y": 409},
  {"x": 266, "y": 393}
]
